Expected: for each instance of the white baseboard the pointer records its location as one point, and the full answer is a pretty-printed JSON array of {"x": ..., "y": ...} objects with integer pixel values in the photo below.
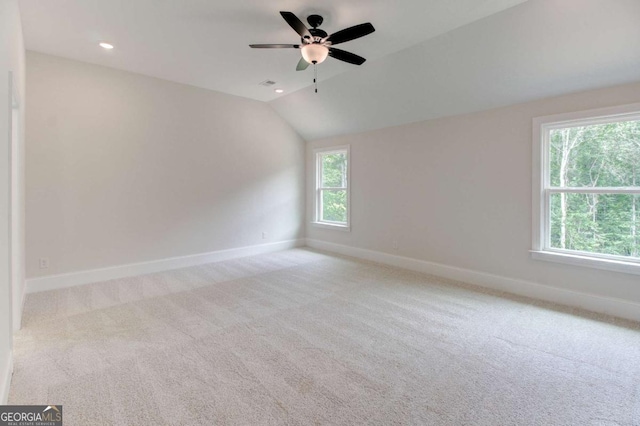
[
  {"x": 606, "y": 305},
  {"x": 5, "y": 379},
  {"x": 53, "y": 282}
]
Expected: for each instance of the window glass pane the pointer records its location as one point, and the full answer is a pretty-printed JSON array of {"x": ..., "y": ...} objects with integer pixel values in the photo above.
[
  {"x": 602, "y": 155},
  {"x": 334, "y": 206},
  {"x": 334, "y": 170},
  {"x": 596, "y": 223}
]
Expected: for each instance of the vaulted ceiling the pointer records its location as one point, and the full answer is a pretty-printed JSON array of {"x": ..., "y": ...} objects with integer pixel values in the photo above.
[
  {"x": 427, "y": 58},
  {"x": 539, "y": 49}
]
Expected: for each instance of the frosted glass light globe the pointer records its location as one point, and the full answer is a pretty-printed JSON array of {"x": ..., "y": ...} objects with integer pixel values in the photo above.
[{"x": 315, "y": 53}]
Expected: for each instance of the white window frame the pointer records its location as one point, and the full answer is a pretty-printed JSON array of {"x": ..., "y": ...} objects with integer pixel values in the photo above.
[
  {"x": 318, "y": 153},
  {"x": 542, "y": 189}
]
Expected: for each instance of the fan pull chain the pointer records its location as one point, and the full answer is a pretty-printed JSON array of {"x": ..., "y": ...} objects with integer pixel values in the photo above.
[{"x": 315, "y": 75}]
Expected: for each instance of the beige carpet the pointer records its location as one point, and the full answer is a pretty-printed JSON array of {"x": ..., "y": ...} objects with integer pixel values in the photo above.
[{"x": 304, "y": 338}]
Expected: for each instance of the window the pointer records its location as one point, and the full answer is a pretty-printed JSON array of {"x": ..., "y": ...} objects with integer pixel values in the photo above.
[
  {"x": 587, "y": 188},
  {"x": 332, "y": 188}
]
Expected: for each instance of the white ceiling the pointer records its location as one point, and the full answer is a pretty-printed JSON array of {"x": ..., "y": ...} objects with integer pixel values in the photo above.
[
  {"x": 538, "y": 49},
  {"x": 205, "y": 43},
  {"x": 427, "y": 58}
]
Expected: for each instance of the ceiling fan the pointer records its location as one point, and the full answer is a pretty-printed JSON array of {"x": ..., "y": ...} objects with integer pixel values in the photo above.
[{"x": 316, "y": 44}]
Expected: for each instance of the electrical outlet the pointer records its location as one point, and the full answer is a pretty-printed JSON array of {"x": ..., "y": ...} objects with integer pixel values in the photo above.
[
  {"x": 264, "y": 235},
  {"x": 44, "y": 262}
]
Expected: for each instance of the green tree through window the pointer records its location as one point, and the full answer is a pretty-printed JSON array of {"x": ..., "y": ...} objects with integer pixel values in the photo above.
[
  {"x": 594, "y": 179},
  {"x": 332, "y": 197}
]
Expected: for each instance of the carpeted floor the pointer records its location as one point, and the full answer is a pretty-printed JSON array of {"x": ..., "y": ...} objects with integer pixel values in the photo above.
[{"x": 301, "y": 338}]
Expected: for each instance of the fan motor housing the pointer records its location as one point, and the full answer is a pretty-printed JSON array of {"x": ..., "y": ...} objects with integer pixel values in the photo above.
[{"x": 317, "y": 34}]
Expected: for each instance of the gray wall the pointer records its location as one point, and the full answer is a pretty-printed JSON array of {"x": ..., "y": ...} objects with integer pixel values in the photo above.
[
  {"x": 123, "y": 168},
  {"x": 457, "y": 191}
]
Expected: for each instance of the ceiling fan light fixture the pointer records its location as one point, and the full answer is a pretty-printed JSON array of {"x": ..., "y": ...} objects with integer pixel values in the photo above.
[{"x": 315, "y": 53}]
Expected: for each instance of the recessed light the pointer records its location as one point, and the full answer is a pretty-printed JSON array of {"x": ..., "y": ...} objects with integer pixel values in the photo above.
[
  {"x": 107, "y": 46},
  {"x": 279, "y": 90}
]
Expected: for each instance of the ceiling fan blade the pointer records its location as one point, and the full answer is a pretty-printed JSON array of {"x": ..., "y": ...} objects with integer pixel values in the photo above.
[
  {"x": 275, "y": 46},
  {"x": 302, "y": 65},
  {"x": 351, "y": 33},
  {"x": 345, "y": 56},
  {"x": 296, "y": 24}
]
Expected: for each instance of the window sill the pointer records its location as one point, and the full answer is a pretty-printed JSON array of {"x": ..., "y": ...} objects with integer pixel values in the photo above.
[
  {"x": 587, "y": 261},
  {"x": 344, "y": 228}
]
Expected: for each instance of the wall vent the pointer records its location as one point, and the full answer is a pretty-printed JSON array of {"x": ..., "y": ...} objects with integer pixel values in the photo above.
[{"x": 267, "y": 83}]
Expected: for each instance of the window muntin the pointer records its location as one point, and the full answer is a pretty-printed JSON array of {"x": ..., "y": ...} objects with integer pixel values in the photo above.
[
  {"x": 591, "y": 187},
  {"x": 332, "y": 187}
]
